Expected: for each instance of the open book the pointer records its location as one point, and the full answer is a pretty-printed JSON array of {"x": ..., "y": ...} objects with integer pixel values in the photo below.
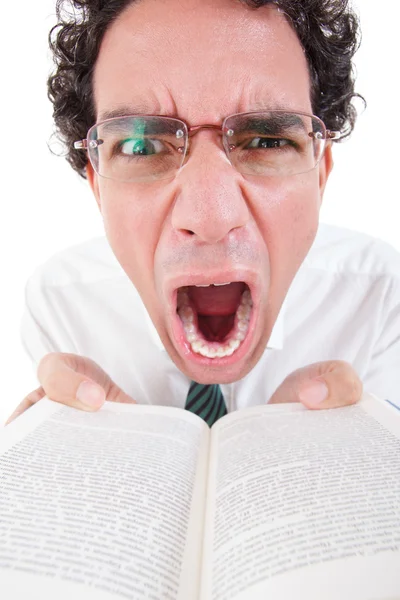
[{"x": 136, "y": 502}]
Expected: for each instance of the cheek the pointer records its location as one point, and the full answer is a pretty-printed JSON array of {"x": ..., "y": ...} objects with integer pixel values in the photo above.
[
  {"x": 301, "y": 223},
  {"x": 131, "y": 228},
  {"x": 289, "y": 222}
]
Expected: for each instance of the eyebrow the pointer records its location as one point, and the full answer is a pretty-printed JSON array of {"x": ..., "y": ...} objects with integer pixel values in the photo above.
[
  {"x": 126, "y": 111},
  {"x": 274, "y": 125},
  {"x": 138, "y": 126}
]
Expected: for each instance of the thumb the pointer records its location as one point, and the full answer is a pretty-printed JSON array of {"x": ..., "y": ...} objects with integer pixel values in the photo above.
[
  {"x": 328, "y": 384},
  {"x": 78, "y": 382}
]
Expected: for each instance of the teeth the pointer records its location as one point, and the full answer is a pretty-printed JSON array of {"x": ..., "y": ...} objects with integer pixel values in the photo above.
[
  {"x": 195, "y": 338},
  {"x": 243, "y": 325},
  {"x": 209, "y": 351},
  {"x": 189, "y": 327},
  {"x": 197, "y": 346},
  {"x": 210, "y": 284},
  {"x": 186, "y": 314},
  {"x": 183, "y": 299},
  {"x": 192, "y": 337},
  {"x": 246, "y": 298},
  {"x": 228, "y": 351},
  {"x": 220, "y": 352},
  {"x": 244, "y": 312}
]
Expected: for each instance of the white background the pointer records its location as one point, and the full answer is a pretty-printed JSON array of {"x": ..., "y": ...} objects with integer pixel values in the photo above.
[{"x": 45, "y": 207}]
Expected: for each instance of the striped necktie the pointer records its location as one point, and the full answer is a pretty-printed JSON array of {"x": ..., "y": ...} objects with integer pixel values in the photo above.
[{"x": 206, "y": 401}]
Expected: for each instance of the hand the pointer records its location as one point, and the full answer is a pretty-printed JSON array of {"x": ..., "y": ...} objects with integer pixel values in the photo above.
[
  {"x": 72, "y": 380},
  {"x": 327, "y": 384}
]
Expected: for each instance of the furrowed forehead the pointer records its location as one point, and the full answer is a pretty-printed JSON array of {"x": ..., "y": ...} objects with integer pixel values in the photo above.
[{"x": 162, "y": 58}]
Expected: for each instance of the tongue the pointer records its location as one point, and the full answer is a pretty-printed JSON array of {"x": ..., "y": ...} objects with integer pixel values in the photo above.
[
  {"x": 216, "y": 301},
  {"x": 216, "y": 329}
]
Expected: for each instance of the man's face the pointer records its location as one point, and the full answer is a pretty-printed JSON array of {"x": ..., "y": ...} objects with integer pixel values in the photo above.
[{"x": 202, "y": 60}]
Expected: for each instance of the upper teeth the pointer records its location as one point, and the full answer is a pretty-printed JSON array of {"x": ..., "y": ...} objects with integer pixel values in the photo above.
[{"x": 210, "y": 284}]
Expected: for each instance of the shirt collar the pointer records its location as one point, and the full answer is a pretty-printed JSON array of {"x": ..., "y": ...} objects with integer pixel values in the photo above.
[{"x": 275, "y": 341}]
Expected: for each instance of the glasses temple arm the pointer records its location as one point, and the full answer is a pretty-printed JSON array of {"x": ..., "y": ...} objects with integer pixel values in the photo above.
[
  {"x": 333, "y": 135},
  {"x": 81, "y": 145},
  {"x": 84, "y": 145}
]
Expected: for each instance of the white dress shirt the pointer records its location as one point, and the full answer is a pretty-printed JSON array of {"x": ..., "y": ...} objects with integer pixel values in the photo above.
[{"x": 344, "y": 303}]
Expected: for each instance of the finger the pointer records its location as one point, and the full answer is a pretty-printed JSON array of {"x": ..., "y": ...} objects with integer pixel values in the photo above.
[
  {"x": 26, "y": 403},
  {"x": 329, "y": 384},
  {"x": 339, "y": 385},
  {"x": 63, "y": 383}
]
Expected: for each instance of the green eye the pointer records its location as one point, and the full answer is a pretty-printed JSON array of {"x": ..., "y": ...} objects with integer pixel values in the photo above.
[{"x": 140, "y": 147}]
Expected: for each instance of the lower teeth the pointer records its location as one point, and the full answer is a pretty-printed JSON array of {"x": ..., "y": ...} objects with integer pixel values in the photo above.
[{"x": 199, "y": 344}]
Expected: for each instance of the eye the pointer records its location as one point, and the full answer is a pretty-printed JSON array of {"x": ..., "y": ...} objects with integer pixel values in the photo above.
[
  {"x": 268, "y": 143},
  {"x": 141, "y": 147}
]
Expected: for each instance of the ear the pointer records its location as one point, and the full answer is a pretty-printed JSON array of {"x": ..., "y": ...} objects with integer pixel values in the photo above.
[
  {"x": 92, "y": 178},
  {"x": 325, "y": 168}
]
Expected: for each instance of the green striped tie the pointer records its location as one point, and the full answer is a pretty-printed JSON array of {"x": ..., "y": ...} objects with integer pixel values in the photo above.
[{"x": 206, "y": 401}]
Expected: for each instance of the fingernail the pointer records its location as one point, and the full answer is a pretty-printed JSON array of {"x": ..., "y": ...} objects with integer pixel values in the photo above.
[
  {"x": 90, "y": 394},
  {"x": 314, "y": 393}
]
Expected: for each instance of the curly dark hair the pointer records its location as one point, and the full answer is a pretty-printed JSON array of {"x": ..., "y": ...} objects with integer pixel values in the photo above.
[{"x": 327, "y": 29}]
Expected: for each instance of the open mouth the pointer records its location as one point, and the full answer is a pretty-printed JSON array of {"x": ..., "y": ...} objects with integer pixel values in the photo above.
[{"x": 215, "y": 317}]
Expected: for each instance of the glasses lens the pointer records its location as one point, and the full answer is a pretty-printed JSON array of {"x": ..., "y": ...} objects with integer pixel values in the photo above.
[
  {"x": 138, "y": 148},
  {"x": 274, "y": 143}
]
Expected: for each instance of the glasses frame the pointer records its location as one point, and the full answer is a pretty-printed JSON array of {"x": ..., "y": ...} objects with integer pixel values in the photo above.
[{"x": 87, "y": 144}]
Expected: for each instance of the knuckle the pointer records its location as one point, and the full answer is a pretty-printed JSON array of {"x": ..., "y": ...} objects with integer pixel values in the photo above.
[
  {"x": 344, "y": 367},
  {"x": 48, "y": 358},
  {"x": 113, "y": 393},
  {"x": 46, "y": 363},
  {"x": 352, "y": 385},
  {"x": 33, "y": 397},
  {"x": 52, "y": 383},
  {"x": 357, "y": 389}
]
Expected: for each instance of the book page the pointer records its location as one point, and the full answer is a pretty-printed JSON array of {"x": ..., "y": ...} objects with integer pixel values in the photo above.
[
  {"x": 100, "y": 505},
  {"x": 304, "y": 504}
]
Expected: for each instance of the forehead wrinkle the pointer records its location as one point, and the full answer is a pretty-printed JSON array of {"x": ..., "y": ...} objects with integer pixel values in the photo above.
[
  {"x": 152, "y": 101},
  {"x": 163, "y": 103},
  {"x": 194, "y": 99},
  {"x": 260, "y": 95},
  {"x": 245, "y": 96},
  {"x": 256, "y": 96}
]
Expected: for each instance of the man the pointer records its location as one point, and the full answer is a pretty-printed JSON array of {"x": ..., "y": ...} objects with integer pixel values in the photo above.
[{"x": 205, "y": 130}]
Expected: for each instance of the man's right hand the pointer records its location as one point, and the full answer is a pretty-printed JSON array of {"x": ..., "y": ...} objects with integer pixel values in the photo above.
[{"x": 72, "y": 380}]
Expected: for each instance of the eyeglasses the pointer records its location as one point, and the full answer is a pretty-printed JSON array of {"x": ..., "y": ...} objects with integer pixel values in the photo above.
[{"x": 146, "y": 148}]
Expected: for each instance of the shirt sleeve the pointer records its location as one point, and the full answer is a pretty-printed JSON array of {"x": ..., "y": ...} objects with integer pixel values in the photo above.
[
  {"x": 41, "y": 333},
  {"x": 383, "y": 374}
]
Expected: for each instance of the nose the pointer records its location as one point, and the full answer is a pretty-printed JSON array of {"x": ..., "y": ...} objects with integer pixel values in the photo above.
[{"x": 209, "y": 202}]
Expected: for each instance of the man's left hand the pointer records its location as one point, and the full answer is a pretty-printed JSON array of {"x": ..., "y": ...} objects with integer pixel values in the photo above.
[{"x": 329, "y": 384}]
